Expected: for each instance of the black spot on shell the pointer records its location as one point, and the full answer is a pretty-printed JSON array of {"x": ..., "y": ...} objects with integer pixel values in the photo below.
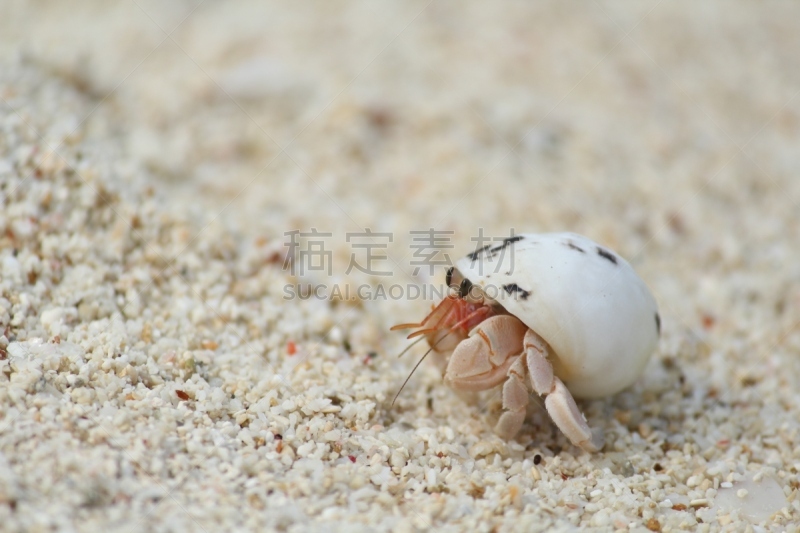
[
  {"x": 506, "y": 242},
  {"x": 605, "y": 254},
  {"x": 474, "y": 255},
  {"x": 512, "y": 288},
  {"x": 576, "y": 247},
  {"x": 658, "y": 324}
]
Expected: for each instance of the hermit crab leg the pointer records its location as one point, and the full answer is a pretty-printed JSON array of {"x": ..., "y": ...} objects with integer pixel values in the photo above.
[{"x": 558, "y": 400}]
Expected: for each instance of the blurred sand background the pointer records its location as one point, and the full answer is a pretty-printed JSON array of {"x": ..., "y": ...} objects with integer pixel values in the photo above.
[{"x": 153, "y": 154}]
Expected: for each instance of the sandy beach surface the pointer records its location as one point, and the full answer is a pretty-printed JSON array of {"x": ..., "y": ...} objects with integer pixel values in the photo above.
[{"x": 154, "y": 375}]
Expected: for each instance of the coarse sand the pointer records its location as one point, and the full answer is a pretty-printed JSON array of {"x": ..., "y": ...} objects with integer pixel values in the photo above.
[{"x": 157, "y": 372}]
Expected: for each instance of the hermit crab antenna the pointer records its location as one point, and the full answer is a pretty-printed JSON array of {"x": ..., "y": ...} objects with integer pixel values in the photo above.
[
  {"x": 407, "y": 348},
  {"x": 420, "y": 361},
  {"x": 411, "y": 374}
]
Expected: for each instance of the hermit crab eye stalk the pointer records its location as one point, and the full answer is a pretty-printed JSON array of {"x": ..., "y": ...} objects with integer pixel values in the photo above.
[
  {"x": 472, "y": 293},
  {"x": 448, "y": 279},
  {"x": 464, "y": 288}
]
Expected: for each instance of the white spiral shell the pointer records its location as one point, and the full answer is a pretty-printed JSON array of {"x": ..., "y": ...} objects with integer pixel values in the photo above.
[{"x": 595, "y": 312}]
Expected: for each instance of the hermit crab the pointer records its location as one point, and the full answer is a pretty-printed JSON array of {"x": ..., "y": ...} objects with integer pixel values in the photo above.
[{"x": 555, "y": 314}]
